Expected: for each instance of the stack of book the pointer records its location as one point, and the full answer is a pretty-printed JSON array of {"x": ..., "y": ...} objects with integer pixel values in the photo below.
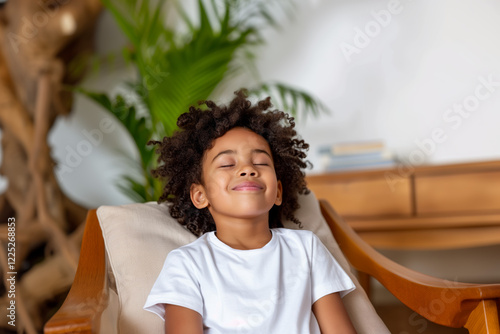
[{"x": 355, "y": 155}]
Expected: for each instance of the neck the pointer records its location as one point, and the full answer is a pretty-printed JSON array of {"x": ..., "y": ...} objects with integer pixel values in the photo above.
[{"x": 244, "y": 234}]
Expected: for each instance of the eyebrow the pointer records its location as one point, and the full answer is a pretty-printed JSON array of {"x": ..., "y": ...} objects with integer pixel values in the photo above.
[{"x": 257, "y": 150}]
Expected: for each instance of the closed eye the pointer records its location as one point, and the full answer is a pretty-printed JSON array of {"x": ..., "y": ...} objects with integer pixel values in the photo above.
[{"x": 225, "y": 166}]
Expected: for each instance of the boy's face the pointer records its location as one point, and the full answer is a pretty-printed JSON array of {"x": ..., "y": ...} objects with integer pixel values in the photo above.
[{"x": 239, "y": 178}]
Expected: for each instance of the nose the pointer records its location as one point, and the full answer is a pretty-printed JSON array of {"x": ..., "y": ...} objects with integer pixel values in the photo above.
[{"x": 248, "y": 170}]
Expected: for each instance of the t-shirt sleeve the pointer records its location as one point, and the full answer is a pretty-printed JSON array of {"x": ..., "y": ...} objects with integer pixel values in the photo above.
[
  {"x": 327, "y": 275},
  {"x": 177, "y": 284}
]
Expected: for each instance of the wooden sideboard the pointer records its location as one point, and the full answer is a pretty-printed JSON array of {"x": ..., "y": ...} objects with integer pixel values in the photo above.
[{"x": 426, "y": 207}]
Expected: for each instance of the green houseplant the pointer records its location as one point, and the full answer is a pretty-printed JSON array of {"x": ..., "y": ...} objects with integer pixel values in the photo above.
[{"x": 181, "y": 63}]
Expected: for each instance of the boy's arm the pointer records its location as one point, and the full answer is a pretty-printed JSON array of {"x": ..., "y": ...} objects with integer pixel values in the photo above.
[
  {"x": 183, "y": 320},
  {"x": 332, "y": 316}
]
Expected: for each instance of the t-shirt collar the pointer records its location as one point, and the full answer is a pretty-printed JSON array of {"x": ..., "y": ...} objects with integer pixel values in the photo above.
[{"x": 217, "y": 242}]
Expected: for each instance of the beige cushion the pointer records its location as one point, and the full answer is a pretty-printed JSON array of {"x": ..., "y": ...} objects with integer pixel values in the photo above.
[{"x": 138, "y": 237}]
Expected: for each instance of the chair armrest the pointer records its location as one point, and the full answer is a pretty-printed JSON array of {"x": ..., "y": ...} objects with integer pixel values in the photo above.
[
  {"x": 441, "y": 301},
  {"x": 88, "y": 297}
]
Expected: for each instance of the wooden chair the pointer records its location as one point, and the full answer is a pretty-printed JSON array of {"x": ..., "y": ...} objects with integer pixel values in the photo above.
[{"x": 473, "y": 306}]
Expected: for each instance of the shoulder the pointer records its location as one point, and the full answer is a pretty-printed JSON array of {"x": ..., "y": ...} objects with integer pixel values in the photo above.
[
  {"x": 192, "y": 250},
  {"x": 307, "y": 239},
  {"x": 303, "y": 237},
  {"x": 287, "y": 233},
  {"x": 188, "y": 258}
]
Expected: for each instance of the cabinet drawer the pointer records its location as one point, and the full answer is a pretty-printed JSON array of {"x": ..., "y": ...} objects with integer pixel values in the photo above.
[
  {"x": 458, "y": 193},
  {"x": 365, "y": 197}
]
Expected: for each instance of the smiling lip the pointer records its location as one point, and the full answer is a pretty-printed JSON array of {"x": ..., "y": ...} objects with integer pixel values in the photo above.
[{"x": 248, "y": 186}]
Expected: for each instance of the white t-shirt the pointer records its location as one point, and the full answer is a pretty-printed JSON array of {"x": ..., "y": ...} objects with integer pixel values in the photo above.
[{"x": 265, "y": 290}]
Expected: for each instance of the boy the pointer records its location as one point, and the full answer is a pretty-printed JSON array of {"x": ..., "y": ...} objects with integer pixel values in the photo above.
[{"x": 233, "y": 172}]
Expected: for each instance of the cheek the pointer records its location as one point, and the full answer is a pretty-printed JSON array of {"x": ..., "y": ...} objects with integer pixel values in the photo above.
[
  {"x": 216, "y": 187},
  {"x": 275, "y": 190},
  {"x": 273, "y": 186}
]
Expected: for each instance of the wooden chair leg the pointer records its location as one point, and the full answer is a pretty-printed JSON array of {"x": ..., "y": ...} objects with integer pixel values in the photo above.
[
  {"x": 364, "y": 281},
  {"x": 484, "y": 318}
]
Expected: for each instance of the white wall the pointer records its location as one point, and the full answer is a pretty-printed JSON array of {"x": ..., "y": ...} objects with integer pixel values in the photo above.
[{"x": 402, "y": 83}]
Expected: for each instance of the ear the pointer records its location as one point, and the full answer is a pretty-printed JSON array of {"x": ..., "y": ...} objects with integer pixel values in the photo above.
[
  {"x": 279, "y": 194},
  {"x": 198, "y": 196}
]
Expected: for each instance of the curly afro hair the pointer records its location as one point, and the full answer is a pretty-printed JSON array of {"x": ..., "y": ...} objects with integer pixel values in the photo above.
[{"x": 181, "y": 155}]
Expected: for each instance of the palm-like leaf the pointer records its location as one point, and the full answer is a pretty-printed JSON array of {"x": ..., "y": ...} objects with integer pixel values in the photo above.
[
  {"x": 290, "y": 98},
  {"x": 141, "y": 129}
]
